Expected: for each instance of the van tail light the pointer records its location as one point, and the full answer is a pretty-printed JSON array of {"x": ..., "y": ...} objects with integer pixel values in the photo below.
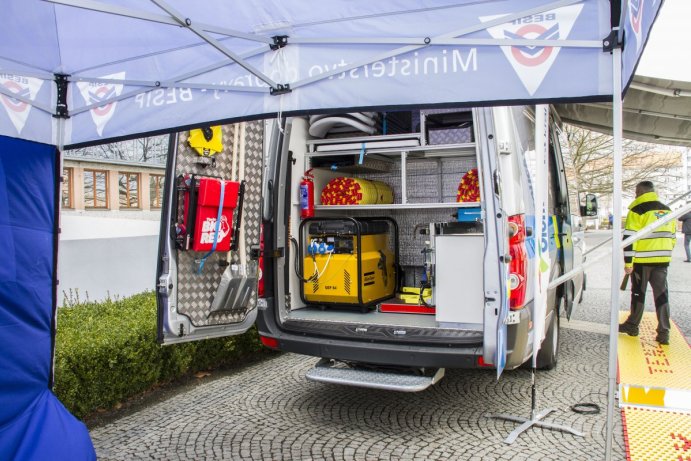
[
  {"x": 260, "y": 276},
  {"x": 518, "y": 266},
  {"x": 269, "y": 342},
  {"x": 482, "y": 364}
]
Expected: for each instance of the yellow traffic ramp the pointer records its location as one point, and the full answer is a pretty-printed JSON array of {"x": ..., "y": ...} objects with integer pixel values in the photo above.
[
  {"x": 652, "y": 435},
  {"x": 651, "y": 374}
]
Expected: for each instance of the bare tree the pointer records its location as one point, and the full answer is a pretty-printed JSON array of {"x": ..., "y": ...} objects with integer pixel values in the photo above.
[
  {"x": 142, "y": 150},
  {"x": 590, "y": 156}
]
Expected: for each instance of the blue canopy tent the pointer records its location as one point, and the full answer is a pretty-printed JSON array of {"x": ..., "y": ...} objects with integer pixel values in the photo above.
[{"x": 80, "y": 72}]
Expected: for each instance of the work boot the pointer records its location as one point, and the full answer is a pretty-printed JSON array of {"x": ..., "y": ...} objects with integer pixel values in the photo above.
[
  {"x": 629, "y": 329},
  {"x": 663, "y": 338}
]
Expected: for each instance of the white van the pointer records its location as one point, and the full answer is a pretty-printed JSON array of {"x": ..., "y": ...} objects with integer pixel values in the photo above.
[{"x": 387, "y": 278}]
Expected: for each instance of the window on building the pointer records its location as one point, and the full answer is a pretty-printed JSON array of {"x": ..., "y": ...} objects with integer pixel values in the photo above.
[
  {"x": 156, "y": 190},
  {"x": 128, "y": 190},
  {"x": 95, "y": 189},
  {"x": 67, "y": 188}
]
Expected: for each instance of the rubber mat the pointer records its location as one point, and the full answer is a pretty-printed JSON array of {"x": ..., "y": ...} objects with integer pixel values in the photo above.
[
  {"x": 651, "y": 374},
  {"x": 656, "y": 434},
  {"x": 655, "y": 393}
]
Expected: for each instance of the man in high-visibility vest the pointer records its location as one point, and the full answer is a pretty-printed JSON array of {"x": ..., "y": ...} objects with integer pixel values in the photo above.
[{"x": 647, "y": 260}]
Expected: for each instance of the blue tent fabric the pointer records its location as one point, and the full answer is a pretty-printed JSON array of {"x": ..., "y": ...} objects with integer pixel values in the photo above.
[
  {"x": 339, "y": 57},
  {"x": 33, "y": 423}
]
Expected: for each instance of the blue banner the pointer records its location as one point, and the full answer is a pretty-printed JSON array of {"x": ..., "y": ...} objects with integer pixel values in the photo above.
[
  {"x": 637, "y": 19},
  {"x": 382, "y": 56}
]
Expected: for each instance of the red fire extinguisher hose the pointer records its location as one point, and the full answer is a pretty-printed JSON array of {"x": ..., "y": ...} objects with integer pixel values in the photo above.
[{"x": 307, "y": 195}]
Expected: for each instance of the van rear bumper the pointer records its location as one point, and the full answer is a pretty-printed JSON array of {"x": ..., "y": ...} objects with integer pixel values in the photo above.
[
  {"x": 398, "y": 354},
  {"x": 379, "y": 353},
  {"x": 407, "y": 355}
]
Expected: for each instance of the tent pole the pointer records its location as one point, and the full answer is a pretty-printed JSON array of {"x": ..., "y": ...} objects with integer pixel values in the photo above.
[
  {"x": 450, "y": 35},
  {"x": 186, "y": 22},
  {"x": 156, "y": 18},
  {"x": 617, "y": 132}
]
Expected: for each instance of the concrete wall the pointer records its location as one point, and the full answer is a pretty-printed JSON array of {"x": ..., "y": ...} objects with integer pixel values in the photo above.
[{"x": 100, "y": 257}]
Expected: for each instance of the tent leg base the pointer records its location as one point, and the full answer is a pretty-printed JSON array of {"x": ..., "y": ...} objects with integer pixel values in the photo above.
[{"x": 527, "y": 423}]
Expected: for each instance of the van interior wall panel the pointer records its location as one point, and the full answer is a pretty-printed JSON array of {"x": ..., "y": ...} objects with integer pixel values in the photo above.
[
  {"x": 411, "y": 243},
  {"x": 196, "y": 291},
  {"x": 429, "y": 181}
]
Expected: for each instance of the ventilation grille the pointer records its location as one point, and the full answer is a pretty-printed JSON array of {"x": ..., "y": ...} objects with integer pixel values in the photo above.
[{"x": 346, "y": 281}]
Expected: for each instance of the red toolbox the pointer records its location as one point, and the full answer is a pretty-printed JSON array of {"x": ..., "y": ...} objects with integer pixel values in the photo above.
[{"x": 204, "y": 212}]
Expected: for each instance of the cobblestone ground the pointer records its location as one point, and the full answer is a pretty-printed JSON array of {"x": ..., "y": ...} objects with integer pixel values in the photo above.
[{"x": 270, "y": 411}]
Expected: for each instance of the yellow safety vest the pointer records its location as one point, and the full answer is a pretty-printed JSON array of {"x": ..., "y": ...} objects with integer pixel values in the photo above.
[{"x": 656, "y": 249}]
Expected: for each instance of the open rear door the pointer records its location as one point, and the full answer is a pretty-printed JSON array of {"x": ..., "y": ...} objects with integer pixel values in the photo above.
[
  {"x": 210, "y": 224},
  {"x": 496, "y": 272}
]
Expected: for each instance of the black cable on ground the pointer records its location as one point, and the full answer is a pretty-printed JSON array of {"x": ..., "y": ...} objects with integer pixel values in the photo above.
[{"x": 586, "y": 408}]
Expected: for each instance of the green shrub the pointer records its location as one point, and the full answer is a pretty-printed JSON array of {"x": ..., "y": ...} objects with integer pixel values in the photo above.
[{"x": 107, "y": 352}]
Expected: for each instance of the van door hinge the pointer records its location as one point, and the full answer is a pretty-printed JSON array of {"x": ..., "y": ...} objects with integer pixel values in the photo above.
[
  {"x": 164, "y": 286},
  {"x": 255, "y": 252},
  {"x": 277, "y": 253}
]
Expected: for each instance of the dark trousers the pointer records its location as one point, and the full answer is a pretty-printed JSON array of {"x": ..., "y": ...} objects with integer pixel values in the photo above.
[{"x": 656, "y": 276}]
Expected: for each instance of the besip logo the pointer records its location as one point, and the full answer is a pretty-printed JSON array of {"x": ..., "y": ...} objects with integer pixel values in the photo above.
[
  {"x": 532, "y": 56},
  {"x": 95, "y": 93},
  {"x": 532, "y": 62},
  {"x": 25, "y": 87},
  {"x": 636, "y": 18}
]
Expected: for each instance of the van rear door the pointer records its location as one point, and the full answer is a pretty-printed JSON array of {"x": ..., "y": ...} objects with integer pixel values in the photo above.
[
  {"x": 565, "y": 232},
  {"x": 496, "y": 270},
  {"x": 204, "y": 291}
]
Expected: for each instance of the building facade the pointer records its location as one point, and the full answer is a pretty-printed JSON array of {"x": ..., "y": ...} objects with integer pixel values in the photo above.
[
  {"x": 110, "y": 218},
  {"x": 112, "y": 188}
]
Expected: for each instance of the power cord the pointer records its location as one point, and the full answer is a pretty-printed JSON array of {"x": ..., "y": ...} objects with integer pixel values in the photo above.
[
  {"x": 313, "y": 277},
  {"x": 587, "y": 408}
]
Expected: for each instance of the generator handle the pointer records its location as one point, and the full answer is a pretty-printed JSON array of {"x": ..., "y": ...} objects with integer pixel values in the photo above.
[{"x": 397, "y": 266}]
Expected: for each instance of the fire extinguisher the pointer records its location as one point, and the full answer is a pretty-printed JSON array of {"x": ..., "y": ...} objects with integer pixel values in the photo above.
[{"x": 307, "y": 195}]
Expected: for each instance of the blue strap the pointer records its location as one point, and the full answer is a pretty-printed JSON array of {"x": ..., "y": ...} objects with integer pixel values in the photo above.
[
  {"x": 362, "y": 154},
  {"x": 216, "y": 228}
]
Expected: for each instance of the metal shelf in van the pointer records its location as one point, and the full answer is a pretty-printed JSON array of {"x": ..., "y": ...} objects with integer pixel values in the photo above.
[
  {"x": 398, "y": 206},
  {"x": 391, "y": 139},
  {"x": 429, "y": 151}
]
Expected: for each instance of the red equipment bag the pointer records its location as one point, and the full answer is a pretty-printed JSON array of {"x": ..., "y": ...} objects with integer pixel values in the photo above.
[{"x": 208, "y": 198}]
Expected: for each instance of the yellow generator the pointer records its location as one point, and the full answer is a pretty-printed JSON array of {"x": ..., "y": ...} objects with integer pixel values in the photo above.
[{"x": 348, "y": 261}]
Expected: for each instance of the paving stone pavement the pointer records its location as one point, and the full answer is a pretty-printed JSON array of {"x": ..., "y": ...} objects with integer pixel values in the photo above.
[{"x": 269, "y": 411}]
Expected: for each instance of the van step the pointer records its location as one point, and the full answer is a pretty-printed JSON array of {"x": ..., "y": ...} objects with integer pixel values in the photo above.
[{"x": 376, "y": 379}]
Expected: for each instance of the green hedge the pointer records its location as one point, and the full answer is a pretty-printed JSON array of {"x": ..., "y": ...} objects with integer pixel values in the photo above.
[{"x": 107, "y": 352}]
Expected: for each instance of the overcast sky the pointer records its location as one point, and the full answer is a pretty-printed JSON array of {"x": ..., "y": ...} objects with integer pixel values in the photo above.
[{"x": 668, "y": 53}]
